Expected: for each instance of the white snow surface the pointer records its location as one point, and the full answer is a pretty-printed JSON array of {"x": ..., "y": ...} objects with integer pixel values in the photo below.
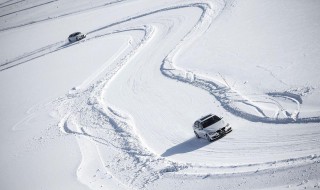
[{"x": 115, "y": 110}]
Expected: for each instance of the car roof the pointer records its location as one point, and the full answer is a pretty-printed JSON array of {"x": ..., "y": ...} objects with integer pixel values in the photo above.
[
  {"x": 206, "y": 117},
  {"x": 75, "y": 33}
]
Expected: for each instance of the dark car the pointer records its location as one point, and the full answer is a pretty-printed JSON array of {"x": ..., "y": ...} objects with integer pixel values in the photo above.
[{"x": 76, "y": 37}]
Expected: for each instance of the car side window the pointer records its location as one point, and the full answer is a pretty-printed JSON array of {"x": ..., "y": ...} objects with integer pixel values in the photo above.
[{"x": 196, "y": 125}]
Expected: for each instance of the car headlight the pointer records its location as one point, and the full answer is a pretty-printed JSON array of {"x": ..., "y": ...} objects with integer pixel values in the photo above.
[
  {"x": 227, "y": 127},
  {"x": 213, "y": 134}
]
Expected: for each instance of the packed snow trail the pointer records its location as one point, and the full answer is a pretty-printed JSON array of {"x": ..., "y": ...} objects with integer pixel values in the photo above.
[
  {"x": 94, "y": 119},
  {"x": 97, "y": 123},
  {"x": 144, "y": 166},
  {"x": 56, "y": 15},
  {"x": 223, "y": 92}
]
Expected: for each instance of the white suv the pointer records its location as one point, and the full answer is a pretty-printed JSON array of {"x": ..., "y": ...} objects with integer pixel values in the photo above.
[
  {"x": 76, "y": 37},
  {"x": 211, "y": 127}
]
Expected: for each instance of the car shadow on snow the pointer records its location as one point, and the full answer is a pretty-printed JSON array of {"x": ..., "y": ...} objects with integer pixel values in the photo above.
[{"x": 186, "y": 146}]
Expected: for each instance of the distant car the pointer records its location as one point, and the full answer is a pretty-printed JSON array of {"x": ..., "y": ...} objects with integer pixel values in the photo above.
[
  {"x": 211, "y": 127},
  {"x": 76, "y": 37}
]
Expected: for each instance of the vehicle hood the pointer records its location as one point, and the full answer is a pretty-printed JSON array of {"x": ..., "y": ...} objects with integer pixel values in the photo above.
[{"x": 216, "y": 126}]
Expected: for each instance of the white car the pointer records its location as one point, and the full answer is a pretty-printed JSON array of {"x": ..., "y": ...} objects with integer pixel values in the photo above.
[
  {"x": 76, "y": 37},
  {"x": 211, "y": 127}
]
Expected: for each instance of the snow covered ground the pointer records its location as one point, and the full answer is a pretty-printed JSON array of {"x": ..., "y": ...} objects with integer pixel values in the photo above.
[{"x": 115, "y": 110}]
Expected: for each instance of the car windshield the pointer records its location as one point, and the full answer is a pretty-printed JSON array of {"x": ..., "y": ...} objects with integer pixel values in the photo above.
[
  {"x": 74, "y": 34},
  {"x": 210, "y": 120}
]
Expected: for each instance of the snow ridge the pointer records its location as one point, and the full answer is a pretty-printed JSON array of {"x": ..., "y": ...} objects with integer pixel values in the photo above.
[
  {"x": 85, "y": 114},
  {"x": 106, "y": 126},
  {"x": 226, "y": 94}
]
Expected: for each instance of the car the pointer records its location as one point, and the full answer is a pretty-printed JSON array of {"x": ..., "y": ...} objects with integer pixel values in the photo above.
[
  {"x": 211, "y": 127},
  {"x": 76, "y": 37}
]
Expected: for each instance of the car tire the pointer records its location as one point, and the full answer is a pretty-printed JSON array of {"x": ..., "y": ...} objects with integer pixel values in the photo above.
[
  {"x": 196, "y": 134},
  {"x": 208, "y": 138}
]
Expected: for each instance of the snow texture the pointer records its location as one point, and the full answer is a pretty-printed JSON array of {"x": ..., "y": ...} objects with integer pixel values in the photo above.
[{"x": 115, "y": 110}]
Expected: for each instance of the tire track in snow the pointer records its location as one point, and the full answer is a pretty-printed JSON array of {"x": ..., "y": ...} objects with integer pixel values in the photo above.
[
  {"x": 61, "y": 16},
  {"x": 88, "y": 111},
  {"x": 52, "y": 48},
  {"x": 96, "y": 119},
  {"x": 223, "y": 92},
  {"x": 4, "y": 3},
  {"x": 10, "y": 4},
  {"x": 28, "y": 8},
  {"x": 225, "y": 95},
  {"x": 156, "y": 167}
]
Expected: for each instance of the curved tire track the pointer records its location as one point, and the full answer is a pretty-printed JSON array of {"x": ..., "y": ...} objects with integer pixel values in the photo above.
[{"x": 88, "y": 111}]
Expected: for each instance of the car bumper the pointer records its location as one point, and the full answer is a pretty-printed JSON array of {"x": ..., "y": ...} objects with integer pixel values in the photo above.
[{"x": 222, "y": 133}]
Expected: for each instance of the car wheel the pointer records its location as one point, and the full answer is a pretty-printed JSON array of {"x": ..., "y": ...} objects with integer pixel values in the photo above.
[
  {"x": 196, "y": 134},
  {"x": 208, "y": 138}
]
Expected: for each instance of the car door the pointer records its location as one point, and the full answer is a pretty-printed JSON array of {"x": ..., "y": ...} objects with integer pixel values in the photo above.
[
  {"x": 202, "y": 133},
  {"x": 197, "y": 128}
]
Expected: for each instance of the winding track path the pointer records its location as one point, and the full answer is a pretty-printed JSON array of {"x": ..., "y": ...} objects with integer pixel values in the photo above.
[
  {"x": 226, "y": 95},
  {"x": 85, "y": 114}
]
